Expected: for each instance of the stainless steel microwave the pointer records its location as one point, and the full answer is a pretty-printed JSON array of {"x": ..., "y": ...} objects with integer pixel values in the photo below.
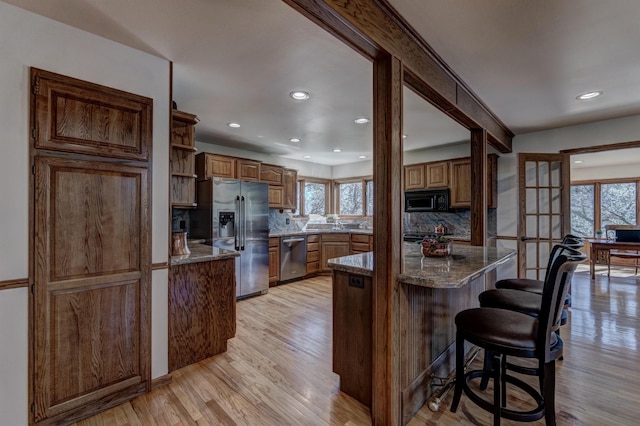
[{"x": 426, "y": 200}]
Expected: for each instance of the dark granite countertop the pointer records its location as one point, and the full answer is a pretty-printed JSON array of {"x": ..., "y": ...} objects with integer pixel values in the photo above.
[
  {"x": 465, "y": 263},
  {"x": 202, "y": 253},
  {"x": 321, "y": 231}
]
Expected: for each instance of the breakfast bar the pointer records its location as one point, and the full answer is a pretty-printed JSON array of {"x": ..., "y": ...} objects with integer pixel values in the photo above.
[{"x": 432, "y": 291}]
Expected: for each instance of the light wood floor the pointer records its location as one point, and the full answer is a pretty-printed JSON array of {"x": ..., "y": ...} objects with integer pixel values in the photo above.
[{"x": 277, "y": 370}]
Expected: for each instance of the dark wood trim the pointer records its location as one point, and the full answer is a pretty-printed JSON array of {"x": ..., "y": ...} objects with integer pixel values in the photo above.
[
  {"x": 387, "y": 163},
  {"x": 161, "y": 381},
  {"x": 478, "y": 187},
  {"x": 601, "y": 148},
  {"x": 507, "y": 237},
  {"x": 159, "y": 265},
  {"x": 605, "y": 181},
  {"x": 19, "y": 283}
]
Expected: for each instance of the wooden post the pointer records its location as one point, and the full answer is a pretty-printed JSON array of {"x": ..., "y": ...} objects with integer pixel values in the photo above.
[
  {"x": 478, "y": 187},
  {"x": 387, "y": 163}
]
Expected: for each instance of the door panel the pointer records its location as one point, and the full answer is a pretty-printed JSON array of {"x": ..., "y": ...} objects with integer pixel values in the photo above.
[
  {"x": 91, "y": 276},
  {"x": 544, "y": 185}
]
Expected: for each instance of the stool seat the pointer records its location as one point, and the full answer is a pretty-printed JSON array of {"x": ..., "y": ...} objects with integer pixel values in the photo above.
[
  {"x": 522, "y": 284},
  {"x": 516, "y": 300},
  {"x": 516, "y": 337}
]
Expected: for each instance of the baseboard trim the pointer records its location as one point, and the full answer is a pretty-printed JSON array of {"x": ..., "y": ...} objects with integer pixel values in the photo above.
[{"x": 161, "y": 381}]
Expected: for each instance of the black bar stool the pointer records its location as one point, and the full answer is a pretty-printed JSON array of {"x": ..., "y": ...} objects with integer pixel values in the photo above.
[{"x": 504, "y": 333}]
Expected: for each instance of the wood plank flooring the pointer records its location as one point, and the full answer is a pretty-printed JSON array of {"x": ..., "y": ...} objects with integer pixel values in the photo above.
[{"x": 277, "y": 370}]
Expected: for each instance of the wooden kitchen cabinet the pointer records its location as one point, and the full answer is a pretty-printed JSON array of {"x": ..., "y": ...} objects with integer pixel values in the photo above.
[
  {"x": 210, "y": 165},
  {"x": 271, "y": 174},
  {"x": 248, "y": 169},
  {"x": 414, "y": 177},
  {"x": 182, "y": 159},
  {"x": 290, "y": 189},
  {"x": 313, "y": 254},
  {"x": 437, "y": 174},
  {"x": 276, "y": 195},
  {"x": 460, "y": 188},
  {"x": 361, "y": 243},
  {"x": 274, "y": 260},
  {"x": 333, "y": 245},
  {"x": 202, "y": 310},
  {"x": 460, "y": 191}
]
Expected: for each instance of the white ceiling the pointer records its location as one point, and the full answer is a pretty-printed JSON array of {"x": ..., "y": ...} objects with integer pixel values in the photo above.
[{"x": 237, "y": 60}]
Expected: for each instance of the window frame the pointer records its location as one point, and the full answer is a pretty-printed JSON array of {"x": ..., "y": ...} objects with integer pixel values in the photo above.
[
  {"x": 301, "y": 181},
  {"x": 336, "y": 194},
  {"x": 597, "y": 195}
]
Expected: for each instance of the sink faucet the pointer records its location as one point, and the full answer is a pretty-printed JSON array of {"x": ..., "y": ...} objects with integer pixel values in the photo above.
[{"x": 337, "y": 225}]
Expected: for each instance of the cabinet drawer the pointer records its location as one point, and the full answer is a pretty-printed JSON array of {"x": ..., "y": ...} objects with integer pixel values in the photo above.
[
  {"x": 360, "y": 238},
  {"x": 313, "y": 256},
  {"x": 312, "y": 246},
  {"x": 335, "y": 237},
  {"x": 313, "y": 267},
  {"x": 274, "y": 241},
  {"x": 314, "y": 238},
  {"x": 360, "y": 247}
]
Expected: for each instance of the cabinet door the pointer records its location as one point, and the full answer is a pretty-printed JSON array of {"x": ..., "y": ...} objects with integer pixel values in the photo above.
[
  {"x": 275, "y": 196},
  {"x": 92, "y": 272},
  {"x": 274, "y": 260},
  {"x": 460, "y": 183},
  {"x": 271, "y": 174},
  {"x": 248, "y": 169},
  {"x": 220, "y": 166},
  {"x": 414, "y": 177},
  {"x": 289, "y": 182},
  {"x": 331, "y": 249},
  {"x": 437, "y": 174}
]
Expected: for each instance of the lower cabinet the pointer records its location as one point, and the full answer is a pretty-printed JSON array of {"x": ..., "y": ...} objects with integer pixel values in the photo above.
[
  {"x": 202, "y": 310},
  {"x": 274, "y": 260},
  {"x": 361, "y": 243},
  {"x": 313, "y": 254},
  {"x": 333, "y": 245}
]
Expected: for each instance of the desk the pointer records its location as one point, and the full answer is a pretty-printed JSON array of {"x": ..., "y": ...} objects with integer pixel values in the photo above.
[{"x": 607, "y": 245}]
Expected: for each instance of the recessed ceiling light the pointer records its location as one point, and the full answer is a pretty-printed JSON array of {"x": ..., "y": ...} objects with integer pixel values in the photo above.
[
  {"x": 234, "y": 125},
  {"x": 337, "y": 150},
  {"x": 577, "y": 162},
  {"x": 362, "y": 157},
  {"x": 299, "y": 95},
  {"x": 589, "y": 95},
  {"x": 294, "y": 140},
  {"x": 306, "y": 156},
  {"x": 361, "y": 120}
]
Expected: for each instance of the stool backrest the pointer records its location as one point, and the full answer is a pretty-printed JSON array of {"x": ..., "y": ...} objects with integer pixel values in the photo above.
[
  {"x": 556, "y": 285},
  {"x": 573, "y": 241}
]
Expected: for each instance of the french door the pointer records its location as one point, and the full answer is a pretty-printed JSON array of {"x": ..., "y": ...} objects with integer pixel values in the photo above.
[{"x": 544, "y": 209}]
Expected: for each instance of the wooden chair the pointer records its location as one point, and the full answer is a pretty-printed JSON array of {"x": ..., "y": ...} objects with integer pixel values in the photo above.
[{"x": 622, "y": 254}]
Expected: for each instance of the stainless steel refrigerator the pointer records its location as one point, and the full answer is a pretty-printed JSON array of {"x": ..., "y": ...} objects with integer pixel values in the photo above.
[{"x": 234, "y": 215}]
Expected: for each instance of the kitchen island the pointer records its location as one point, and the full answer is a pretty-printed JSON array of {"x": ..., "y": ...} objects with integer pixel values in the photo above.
[
  {"x": 202, "y": 304},
  {"x": 432, "y": 292}
]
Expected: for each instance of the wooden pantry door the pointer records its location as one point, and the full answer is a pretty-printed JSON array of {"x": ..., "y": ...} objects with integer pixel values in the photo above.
[
  {"x": 91, "y": 286},
  {"x": 544, "y": 209}
]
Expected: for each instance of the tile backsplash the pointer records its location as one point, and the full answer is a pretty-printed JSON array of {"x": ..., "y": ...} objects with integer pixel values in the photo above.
[{"x": 458, "y": 223}]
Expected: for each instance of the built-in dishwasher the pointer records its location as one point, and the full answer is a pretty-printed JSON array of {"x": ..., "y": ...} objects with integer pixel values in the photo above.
[{"x": 293, "y": 257}]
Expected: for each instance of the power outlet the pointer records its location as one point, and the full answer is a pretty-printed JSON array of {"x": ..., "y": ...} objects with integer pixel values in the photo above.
[
  {"x": 287, "y": 221},
  {"x": 356, "y": 281}
]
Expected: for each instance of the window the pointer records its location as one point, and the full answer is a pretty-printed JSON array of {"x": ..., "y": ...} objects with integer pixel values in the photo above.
[
  {"x": 354, "y": 197},
  {"x": 313, "y": 196},
  {"x": 350, "y": 199},
  {"x": 369, "y": 195},
  {"x": 597, "y": 204}
]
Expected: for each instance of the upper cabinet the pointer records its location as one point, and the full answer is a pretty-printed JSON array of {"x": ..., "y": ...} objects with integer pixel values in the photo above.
[
  {"x": 289, "y": 184},
  {"x": 437, "y": 174},
  {"x": 182, "y": 159},
  {"x": 414, "y": 177},
  {"x": 282, "y": 186},
  {"x": 455, "y": 175},
  {"x": 212, "y": 165}
]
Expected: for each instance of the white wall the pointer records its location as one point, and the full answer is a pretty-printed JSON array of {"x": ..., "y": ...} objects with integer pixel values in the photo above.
[
  {"x": 619, "y": 171},
  {"x": 552, "y": 141},
  {"x": 28, "y": 40}
]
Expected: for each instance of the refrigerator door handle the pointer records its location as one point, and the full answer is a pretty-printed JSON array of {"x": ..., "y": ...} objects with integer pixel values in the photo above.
[
  {"x": 244, "y": 222},
  {"x": 236, "y": 231}
]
